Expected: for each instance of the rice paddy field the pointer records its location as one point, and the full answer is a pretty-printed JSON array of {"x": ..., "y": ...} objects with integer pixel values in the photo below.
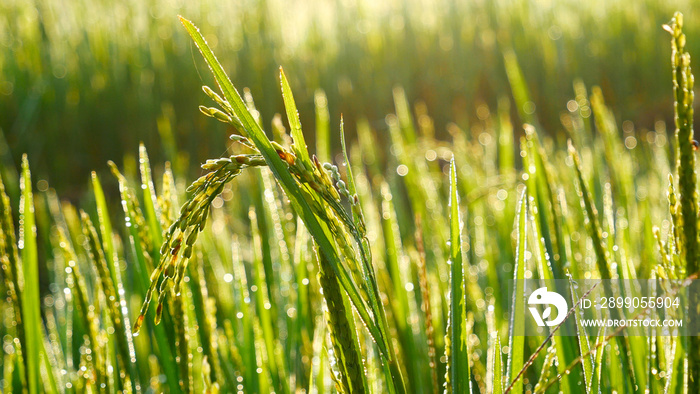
[{"x": 287, "y": 197}]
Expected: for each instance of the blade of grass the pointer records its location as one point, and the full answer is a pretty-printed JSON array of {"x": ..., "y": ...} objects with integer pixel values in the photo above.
[
  {"x": 105, "y": 223},
  {"x": 599, "y": 351},
  {"x": 149, "y": 198},
  {"x": 516, "y": 345},
  {"x": 299, "y": 146},
  {"x": 317, "y": 370},
  {"x": 323, "y": 129},
  {"x": 458, "y": 375},
  {"x": 245, "y": 321},
  {"x": 497, "y": 384},
  {"x": 31, "y": 303},
  {"x": 518, "y": 86},
  {"x": 584, "y": 346}
]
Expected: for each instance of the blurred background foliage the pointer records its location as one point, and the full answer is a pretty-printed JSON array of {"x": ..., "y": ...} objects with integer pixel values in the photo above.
[{"x": 84, "y": 81}]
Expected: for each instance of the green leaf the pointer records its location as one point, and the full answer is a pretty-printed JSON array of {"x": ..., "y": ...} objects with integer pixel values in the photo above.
[
  {"x": 403, "y": 113},
  {"x": 293, "y": 116},
  {"x": 497, "y": 367},
  {"x": 458, "y": 358},
  {"x": 149, "y": 198},
  {"x": 105, "y": 222},
  {"x": 518, "y": 86},
  {"x": 30, "y": 295},
  {"x": 323, "y": 129},
  {"x": 351, "y": 180},
  {"x": 35, "y": 351},
  {"x": 599, "y": 351},
  {"x": 517, "y": 340},
  {"x": 584, "y": 346}
]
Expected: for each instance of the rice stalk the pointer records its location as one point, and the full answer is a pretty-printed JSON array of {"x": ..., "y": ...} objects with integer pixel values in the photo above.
[
  {"x": 683, "y": 82},
  {"x": 182, "y": 344},
  {"x": 343, "y": 337},
  {"x": 180, "y": 238},
  {"x": 308, "y": 187}
]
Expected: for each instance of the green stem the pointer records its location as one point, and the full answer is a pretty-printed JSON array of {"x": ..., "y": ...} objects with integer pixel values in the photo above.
[
  {"x": 683, "y": 107},
  {"x": 345, "y": 345}
]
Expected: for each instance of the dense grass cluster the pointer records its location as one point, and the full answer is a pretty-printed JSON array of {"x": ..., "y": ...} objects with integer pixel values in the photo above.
[{"x": 380, "y": 269}]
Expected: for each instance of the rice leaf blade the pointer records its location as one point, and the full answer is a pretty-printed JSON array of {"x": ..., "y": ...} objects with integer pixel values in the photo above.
[
  {"x": 31, "y": 302},
  {"x": 323, "y": 129},
  {"x": 584, "y": 345},
  {"x": 459, "y": 379},
  {"x": 516, "y": 344},
  {"x": 293, "y": 117},
  {"x": 30, "y": 295},
  {"x": 497, "y": 367}
]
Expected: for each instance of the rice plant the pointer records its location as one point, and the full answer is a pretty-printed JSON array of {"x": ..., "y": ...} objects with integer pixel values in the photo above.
[{"x": 383, "y": 268}]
